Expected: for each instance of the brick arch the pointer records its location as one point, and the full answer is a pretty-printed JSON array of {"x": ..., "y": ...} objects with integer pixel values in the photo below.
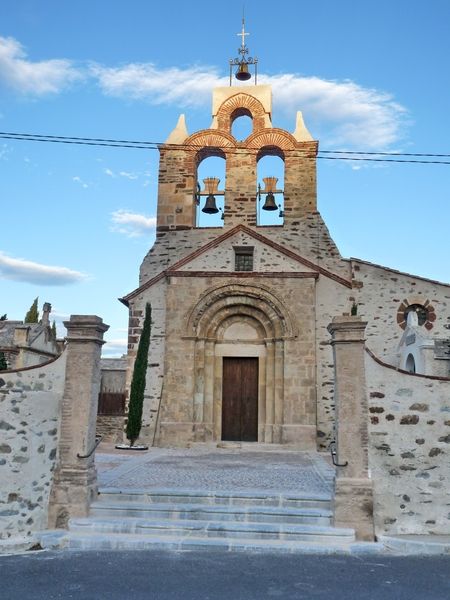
[
  {"x": 238, "y": 105},
  {"x": 210, "y": 138},
  {"x": 272, "y": 138}
]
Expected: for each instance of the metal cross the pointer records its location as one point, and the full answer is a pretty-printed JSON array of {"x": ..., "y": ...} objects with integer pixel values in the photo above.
[{"x": 243, "y": 33}]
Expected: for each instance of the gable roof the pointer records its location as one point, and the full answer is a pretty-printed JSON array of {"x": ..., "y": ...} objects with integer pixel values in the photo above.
[{"x": 221, "y": 238}]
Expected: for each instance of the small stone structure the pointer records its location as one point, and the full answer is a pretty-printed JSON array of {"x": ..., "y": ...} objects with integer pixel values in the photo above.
[
  {"x": 47, "y": 418},
  {"x": 421, "y": 352},
  {"x": 353, "y": 486},
  {"x": 75, "y": 481},
  {"x": 28, "y": 344}
]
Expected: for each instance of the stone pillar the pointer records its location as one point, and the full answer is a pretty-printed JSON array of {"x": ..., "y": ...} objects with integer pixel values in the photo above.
[
  {"x": 46, "y": 310},
  {"x": 353, "y": 487},
  {"x": 75, "y": 479}
]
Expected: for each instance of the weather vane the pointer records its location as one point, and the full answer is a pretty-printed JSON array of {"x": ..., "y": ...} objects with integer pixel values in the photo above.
[{"x": 242, "y": 72}]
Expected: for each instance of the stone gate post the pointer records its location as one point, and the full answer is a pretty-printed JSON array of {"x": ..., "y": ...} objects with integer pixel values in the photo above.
[
  {"x": 353, "y": 487},
  {"x": 75, "y": 479}
]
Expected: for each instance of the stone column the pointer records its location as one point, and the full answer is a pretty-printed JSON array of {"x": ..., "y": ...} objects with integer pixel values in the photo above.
[
  {"x": 353, "y": 487},
  {"x": 270, "y": 390},
  {"x": 75, "y": 479}
]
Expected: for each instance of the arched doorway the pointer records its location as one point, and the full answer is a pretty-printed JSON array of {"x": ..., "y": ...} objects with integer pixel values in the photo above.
[{"x": 240, "y": 332}]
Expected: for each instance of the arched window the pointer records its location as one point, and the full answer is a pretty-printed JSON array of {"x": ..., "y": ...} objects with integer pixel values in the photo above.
[
  {"x": 210, "y": 194},
  {"x": 270, "y": 165},
  {"x": 410, "y": 364},
  {"x": 241, "y": 124}
]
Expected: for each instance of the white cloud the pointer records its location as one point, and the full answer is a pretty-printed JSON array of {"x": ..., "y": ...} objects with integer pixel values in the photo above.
[
  {"x": 4, "y": 151},
  {"x": 115, "y": 347},
  {"x": 340, "y": 113},
  {"x": 132, "y": 224},
  {"x": 128, "y": 175},
  {"x": 41, "y": 77},
  {"x": 349, "y": 113},
  {"x": 80, "y": 181},
  {"x": 19, "y": 269},
  {"x": 144, "y": 81},
  {"x": 344, "y": 112},
  {"x": 125, "y": 174}
]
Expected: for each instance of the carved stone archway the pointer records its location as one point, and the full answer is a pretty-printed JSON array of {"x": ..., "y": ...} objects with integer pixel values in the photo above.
[{"x": 239, "y": 321}]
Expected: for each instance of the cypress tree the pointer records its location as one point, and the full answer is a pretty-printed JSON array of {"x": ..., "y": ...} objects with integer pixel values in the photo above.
[
  {"x": 3, "y": 362},
  {"x": 54, "y": 330},
  {"x": 137, "y": 390},
  {"x": 4, "y": 317},
  {"x": 32, "y": 315}
]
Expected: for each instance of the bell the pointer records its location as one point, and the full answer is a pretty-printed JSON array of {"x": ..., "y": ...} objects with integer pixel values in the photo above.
[
  {"x": 210, "y": 207},
  {"x": 270, "y": 203},
  {"x": 242, "y": 73}
]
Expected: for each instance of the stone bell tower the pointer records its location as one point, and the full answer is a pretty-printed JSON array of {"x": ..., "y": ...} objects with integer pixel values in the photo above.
[
  {"x": 178, "y": 165},
  {"x": 236, "y": 302},
  {"x": 178, "y": 197}
]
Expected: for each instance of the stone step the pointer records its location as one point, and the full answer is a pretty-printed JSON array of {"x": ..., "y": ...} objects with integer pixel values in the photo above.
[
  {"x": 254, "y": 498},
  {"x": 122, "y": 542},
  {"x": 206, "y": 529},
  {"x": 216, "y": 512},
  {"x": 59, "y": 539}
]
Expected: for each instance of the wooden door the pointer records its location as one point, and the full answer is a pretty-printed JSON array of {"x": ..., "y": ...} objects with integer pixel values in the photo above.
[{"x": 240, "y": 399}]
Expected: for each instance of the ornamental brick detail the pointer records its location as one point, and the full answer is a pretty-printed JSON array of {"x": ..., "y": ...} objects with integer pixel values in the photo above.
[
  {"x": 402, "y": 312},
  {"x": 238, "y": 105}
]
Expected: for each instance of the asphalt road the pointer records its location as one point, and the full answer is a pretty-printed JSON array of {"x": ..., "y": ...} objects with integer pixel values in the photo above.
[{"x": 165, "y": 575}]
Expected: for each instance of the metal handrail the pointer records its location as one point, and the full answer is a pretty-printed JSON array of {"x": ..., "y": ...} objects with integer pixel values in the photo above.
[
  {"x": 98, "y": 439},
  {"x": 332, "y": 448}
]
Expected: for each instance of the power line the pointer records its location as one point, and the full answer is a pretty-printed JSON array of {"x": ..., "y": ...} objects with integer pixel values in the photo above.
[
  {"x": 395, "y": 160},
  {"x": 382, "y": 153},
  {"x": 351, "y": 155}
]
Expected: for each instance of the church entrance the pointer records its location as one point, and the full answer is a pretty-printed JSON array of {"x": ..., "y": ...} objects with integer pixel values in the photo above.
[{"x": 240, "y": 399}]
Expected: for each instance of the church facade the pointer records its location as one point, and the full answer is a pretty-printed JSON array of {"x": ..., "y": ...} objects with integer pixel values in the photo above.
[{"x": 240, "y": 349}]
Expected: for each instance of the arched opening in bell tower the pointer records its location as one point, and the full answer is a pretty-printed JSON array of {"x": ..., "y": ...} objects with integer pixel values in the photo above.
[
  {"x": 211, "y": 173},
  {"x": 241, "y": 124},
  {"x": 270, "y": 180}
]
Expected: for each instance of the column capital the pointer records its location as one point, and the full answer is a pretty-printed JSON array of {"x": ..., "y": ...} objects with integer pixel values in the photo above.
[
  {"x": 347, "y": 328},
  {"x": 85, "y": 328}
]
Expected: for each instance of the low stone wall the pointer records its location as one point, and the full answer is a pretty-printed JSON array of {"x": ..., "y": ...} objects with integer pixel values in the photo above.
[
  {"x": 110, "y": 428},
  {"x": 409, "y": 450},
  {"x": 29, "y": 426}
]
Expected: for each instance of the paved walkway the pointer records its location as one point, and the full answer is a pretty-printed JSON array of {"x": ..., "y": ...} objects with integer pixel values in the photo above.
[{"x": 244, "y": 469}]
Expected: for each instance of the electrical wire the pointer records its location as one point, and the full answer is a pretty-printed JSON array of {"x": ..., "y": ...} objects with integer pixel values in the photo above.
[{"x": 350, "y": 155}]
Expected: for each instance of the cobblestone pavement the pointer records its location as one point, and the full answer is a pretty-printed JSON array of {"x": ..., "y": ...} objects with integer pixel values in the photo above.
[{"x": 217, "y": 469}]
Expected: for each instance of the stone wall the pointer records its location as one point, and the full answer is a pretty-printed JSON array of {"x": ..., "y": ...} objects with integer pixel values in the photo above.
[
  {"x": 29, "y": 424},
  {"x": 110, "y": 428},
  {"x": 409, "y": 450}
]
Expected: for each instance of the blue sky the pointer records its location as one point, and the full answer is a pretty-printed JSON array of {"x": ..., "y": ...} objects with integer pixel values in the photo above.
[{"x": 76, "y": 221}]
